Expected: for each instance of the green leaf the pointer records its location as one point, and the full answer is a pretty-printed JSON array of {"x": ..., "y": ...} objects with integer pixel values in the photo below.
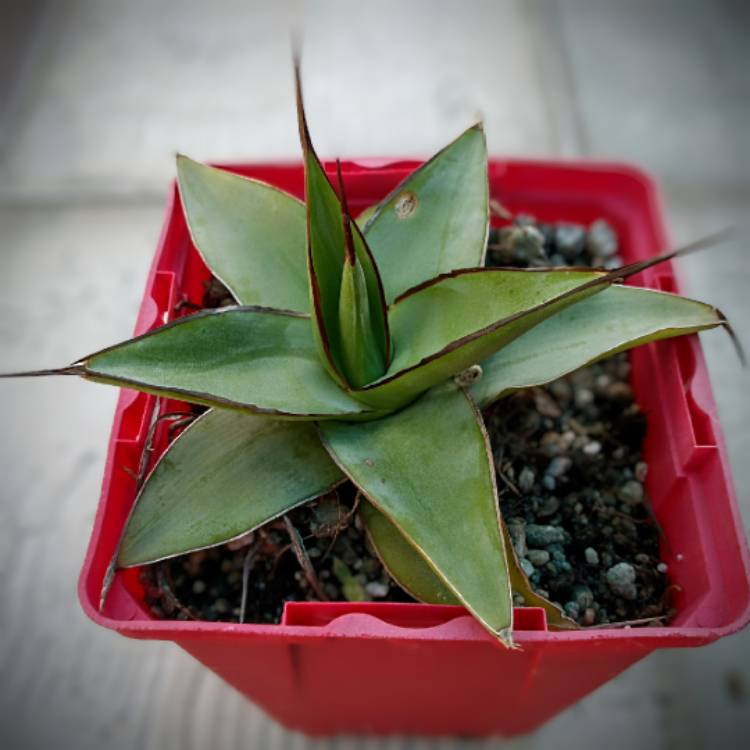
[
  {"x": 246, "y": 358},
  {"x": 436, "y": 220},
  {"x": 466, "y": 316},
  {"x": 618, "y": 319},
  {"x": 429, "y": 469},
  {"x": 363, "y": 327},
  {"x": 226, "y": 474},
  {"x": 251, "y": 235},
  {"x": 457, "y": 320},
  {"x": 362, "y": 358},
  {"x": 331, "y": 235},
  {"x": 403, "y": 563}
]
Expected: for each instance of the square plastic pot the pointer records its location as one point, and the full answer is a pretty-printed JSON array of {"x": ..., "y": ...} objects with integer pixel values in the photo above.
[{"x": 385, "y": 669}]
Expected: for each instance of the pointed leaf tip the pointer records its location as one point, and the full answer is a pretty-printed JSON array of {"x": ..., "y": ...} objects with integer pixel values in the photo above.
[
  {"x": 74, "y": 369},
  {"x": 245, "y": 358},
  {"x": 346, "y": 219},
  {"x": 505, "y": 637},
  {"x": 250, "y": 234},
  {"x": 738, "y": 347},
  {"x": 439, "y": 212},
  {"x": 618, "y": 319},
  {"x": 304, "y": 132},
  {"x": 350, "y": 319}
]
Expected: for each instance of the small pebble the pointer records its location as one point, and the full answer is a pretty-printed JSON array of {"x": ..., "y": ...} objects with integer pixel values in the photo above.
[
  {"x": 556, "y": 552},
  {"x": 549, "y": 482},
  {"x": 557, "y": 260},
  {"x": 584, "y": 397},
  {"x": 641, "y": 471},
  {"x": 559, "y": 466},
  {"x": 662, "y": 568},
  {"x": 517, "y": 531},
  {"x": 199, "y": 587},
  {"x": 377, "y": 590},
  {"x": 546, "y": 405},
  {"x": 542, "y": 536},
  {"x": 619, "y": 391},
  {"x": 548, "y": 507},
  {"x": 631, "y": 492},
  {"x": 601, "y": 240},
  {"x": 592, "y": 448},
  {"x": 583, "y": 378},
  {"x": 583, "y": 596},
  {"x": 621, "y": 579},
  {"x": 538, "y": 557},
  {"x": 562, "y": 391},
  {"x": 602, "y": 383},
  {"x": 572, "y": 610},
  {"x": 551, "y": 444},
  {"x": 526, "y": 479},
  {"x": 570, "y": 240},
  {"x": 527, "y": 567},
  {"x": 567, "y": 439},
  {"x": 589, "y": 617},
  {"x": 524, "y": 242}
]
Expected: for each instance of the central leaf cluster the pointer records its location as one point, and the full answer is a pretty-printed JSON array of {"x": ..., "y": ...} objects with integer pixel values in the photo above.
[{"x": 339, "y": 363}]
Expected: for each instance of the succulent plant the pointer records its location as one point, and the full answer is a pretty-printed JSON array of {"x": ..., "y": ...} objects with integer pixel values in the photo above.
[{"x": 366, "y": 349}]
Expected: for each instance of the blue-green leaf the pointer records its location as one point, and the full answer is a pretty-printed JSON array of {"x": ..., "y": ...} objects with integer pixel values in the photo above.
[
  {"x": 429, "y": 469},
  {"x": 436, "y": 220},
  {"x": 460, "y": 319},
  {"x": 246, "y": 358},
  {"x": 455, "y": 321},
  {"x": 331, "y": 236},
  {"x": 251, "y": 235},
  {"x": 226, "y": 474},
  {"x": 403, "y": 563},
  {"x": 619, "y": 318}
]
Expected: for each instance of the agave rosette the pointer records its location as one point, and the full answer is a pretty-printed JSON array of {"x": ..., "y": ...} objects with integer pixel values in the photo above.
[{"x": 344, "y": 359}]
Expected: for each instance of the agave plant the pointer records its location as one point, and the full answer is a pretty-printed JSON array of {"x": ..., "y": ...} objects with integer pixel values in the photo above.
[{"x": 365, "y": 350}]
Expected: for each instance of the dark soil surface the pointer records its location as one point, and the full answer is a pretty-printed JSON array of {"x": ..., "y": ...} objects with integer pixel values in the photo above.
[{"x": 570, "y": 478}]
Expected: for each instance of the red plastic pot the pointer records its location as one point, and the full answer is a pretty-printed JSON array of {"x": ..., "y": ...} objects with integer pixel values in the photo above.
[{"x": 432, "y": 670}]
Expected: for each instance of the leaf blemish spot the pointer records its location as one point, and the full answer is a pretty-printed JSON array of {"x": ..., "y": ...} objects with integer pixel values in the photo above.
[
  {"x": 405, "y": 205},
  {"x": 368, "y": 462},
  {"x": 468, "y": 376}
]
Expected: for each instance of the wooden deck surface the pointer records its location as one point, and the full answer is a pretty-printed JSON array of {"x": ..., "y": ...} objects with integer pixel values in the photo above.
[{"x": 95, "y": 97}]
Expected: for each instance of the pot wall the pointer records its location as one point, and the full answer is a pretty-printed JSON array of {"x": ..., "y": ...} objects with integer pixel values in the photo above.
[{"x": 385, "y": 668}]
